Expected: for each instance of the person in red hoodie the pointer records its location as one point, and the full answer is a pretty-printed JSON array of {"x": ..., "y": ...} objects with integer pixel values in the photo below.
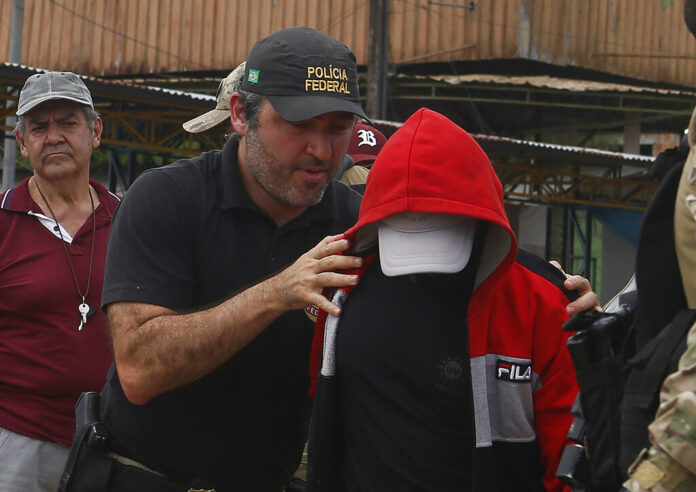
[{"x": 448, "y": 368}]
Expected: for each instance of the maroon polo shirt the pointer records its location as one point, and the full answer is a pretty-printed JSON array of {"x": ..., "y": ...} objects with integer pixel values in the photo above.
[{"x": 45, "y": 362}]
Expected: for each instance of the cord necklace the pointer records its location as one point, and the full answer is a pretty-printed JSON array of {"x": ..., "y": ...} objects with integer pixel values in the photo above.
[{"x": 85, "y": 309}]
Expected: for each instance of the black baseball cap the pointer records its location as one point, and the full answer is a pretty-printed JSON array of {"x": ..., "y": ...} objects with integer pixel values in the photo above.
[{"x": 304, "y": 73}]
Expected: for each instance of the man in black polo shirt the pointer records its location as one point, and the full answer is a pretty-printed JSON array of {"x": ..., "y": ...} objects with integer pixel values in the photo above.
[{"x": 208, "y": 293}]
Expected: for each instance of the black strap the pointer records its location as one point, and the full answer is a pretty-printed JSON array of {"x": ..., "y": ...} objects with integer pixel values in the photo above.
[
  {"x": 657, "y": 359},
  {"x": 646, "y": 372}
]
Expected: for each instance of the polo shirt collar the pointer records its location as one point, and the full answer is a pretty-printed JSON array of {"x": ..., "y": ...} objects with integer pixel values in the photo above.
[
  {"x": 235, "y": 194},
  {"x": 18, "y": 199}
]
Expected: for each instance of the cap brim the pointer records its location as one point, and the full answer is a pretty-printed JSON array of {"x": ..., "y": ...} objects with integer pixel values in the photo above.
[
  {"x": 443, "y": 250},
  {"x": 206, "y": 121},
  {"x": 299, "y": 108},
  {"x": 52, "y": 97},
  {"x": 358, "y": 158}
]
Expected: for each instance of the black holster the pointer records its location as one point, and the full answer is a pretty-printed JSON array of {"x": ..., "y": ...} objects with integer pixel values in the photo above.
[
  {"x": 89, "y": 447},
  {"x": 91, "y": 467}
]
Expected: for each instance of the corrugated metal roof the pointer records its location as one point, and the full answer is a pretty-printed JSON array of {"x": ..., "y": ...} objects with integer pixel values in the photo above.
[
  {"x": 568, "y": 148},
  {"x": 548, "y": 82},
  {"x": 117, "y": 83},
  {"x": 636, "y": 159}
]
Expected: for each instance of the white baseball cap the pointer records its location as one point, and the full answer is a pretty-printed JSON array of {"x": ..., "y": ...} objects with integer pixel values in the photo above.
[{"x": 411, "y": 242}]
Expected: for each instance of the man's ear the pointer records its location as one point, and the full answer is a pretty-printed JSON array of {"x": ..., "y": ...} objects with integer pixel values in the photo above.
[
  {"x": 97, "y": 133},
  {"x": 22, "y": 144},
  {"x": 237, "y": 115}
]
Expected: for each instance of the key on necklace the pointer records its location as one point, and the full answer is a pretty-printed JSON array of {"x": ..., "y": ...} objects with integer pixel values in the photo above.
[{"x": 84, "y": 310}]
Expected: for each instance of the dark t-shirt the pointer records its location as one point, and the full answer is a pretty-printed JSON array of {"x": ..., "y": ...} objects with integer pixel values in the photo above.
[
  {"x": 405, "y": 384},
  {"x": 188, "y": 236}
]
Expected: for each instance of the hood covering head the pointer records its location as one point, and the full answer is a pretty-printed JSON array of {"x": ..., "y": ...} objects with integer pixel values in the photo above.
[{"x": 431, "y": 165}]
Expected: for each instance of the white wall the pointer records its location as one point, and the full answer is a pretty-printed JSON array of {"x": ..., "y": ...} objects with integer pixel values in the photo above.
[{"x": 531, "y": 233}]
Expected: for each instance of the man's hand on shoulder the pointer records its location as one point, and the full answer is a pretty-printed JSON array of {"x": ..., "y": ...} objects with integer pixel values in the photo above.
[{"x": 302, "y": 283}]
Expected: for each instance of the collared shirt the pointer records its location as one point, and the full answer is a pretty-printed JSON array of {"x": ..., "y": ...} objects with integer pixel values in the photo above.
[
  {"x": 45, "y": 361},
  {"x": 188, "y": 236}
]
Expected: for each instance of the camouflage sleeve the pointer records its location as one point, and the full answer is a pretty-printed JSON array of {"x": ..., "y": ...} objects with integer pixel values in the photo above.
[
  {"x": 685, "y": 220},
  {"x": 674, "y": 427},
  {"x": 670, "y": 464}
]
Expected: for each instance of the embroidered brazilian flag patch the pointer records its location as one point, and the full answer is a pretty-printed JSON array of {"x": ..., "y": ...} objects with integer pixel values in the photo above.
[{"x": 253, "y": 76}]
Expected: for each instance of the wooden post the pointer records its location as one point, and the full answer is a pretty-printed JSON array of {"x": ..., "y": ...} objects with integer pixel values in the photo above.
[
  {"x": 377, "y": 59},
  {"x": 9, "y": 160}
]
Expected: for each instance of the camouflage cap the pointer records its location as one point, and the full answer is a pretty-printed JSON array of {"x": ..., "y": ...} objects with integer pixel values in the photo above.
[{"x": 221, "y": 112}]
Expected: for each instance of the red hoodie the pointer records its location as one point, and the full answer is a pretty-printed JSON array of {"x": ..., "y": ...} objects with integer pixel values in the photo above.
[{"x": 517, "y": 307}]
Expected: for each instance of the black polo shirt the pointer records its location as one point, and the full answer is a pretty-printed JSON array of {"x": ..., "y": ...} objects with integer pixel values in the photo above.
[
  {"x": 404, "y": 384},
  {"x": 188, "y": 236}
]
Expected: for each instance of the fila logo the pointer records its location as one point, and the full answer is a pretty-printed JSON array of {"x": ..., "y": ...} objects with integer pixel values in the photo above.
[
  {"x": 513, "y": 372},
  {"x": 367, "y": 137}
]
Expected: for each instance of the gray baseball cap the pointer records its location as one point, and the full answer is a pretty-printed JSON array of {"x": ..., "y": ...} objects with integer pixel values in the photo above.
[{"x": 48, "y": 86}]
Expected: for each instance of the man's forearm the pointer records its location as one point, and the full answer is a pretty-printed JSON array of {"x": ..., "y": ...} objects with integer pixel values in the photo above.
[{"x": 157, "y": 349}]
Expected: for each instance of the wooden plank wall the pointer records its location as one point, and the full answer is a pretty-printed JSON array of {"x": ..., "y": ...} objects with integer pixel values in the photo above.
[
  {"x": 638, "y": 38},
  {"x": 100, "y": 37}
]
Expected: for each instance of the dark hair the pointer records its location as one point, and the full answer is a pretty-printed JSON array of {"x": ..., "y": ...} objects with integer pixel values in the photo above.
[
  {"x": 690, "y": 15},
  {"x": 252, "y": 103},
  {"x": 90, "y": 115}
]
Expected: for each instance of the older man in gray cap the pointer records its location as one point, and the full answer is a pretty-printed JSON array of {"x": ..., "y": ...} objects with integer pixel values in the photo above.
[{"x": 53, "y": 231}]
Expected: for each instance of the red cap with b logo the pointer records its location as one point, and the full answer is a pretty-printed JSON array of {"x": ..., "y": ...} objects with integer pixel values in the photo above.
[{"x": 365, "y": 144}]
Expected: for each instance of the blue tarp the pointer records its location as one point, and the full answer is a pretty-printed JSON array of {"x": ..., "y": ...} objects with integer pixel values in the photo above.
[{"x": 623, "y": 223}]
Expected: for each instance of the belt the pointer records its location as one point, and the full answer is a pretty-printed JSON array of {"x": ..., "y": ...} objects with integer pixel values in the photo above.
[
  {"x": 129, "y": 462},
  {"x": 136, "y": 464}
]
